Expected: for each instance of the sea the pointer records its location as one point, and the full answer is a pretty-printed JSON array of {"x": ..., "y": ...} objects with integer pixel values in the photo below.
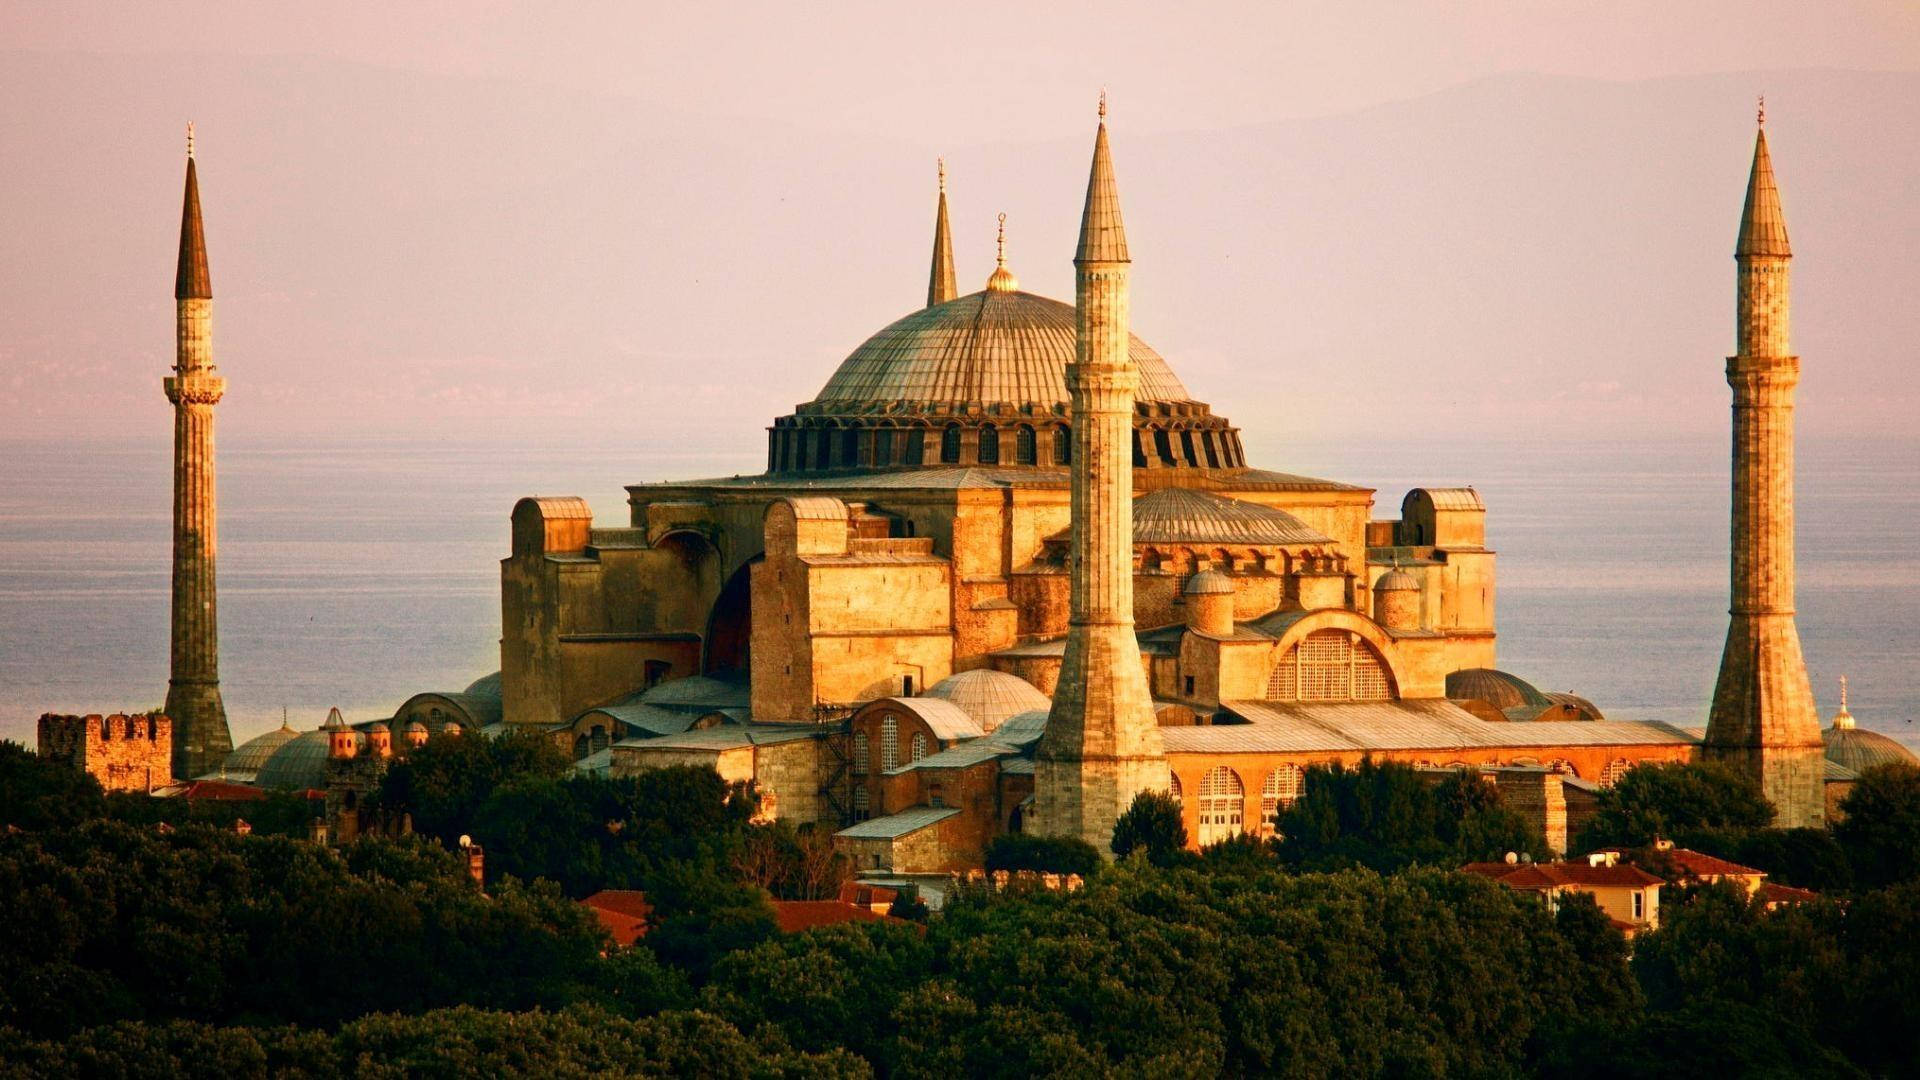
[{"x": 356, "y": 573}]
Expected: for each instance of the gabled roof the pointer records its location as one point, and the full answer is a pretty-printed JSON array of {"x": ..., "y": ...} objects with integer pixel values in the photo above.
[
  {"x": 795, "y": 916},
  {"x": 894, "y": 826},
  {"x": 624, "y": 913}
]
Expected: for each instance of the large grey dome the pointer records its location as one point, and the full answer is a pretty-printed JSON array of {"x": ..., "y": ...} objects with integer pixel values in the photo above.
[
  {"x": 301, "y": 763},
  {"x": 990, "y": 697},
  {"x": 247, "y": 759}
]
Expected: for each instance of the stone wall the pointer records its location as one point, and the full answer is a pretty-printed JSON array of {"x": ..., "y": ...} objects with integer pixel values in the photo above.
[{"x": 124, "y": 753}]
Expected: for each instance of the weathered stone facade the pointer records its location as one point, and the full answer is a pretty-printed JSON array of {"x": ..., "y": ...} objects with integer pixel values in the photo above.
[
  {"x": 1764, "y": 721},
  {"x": 124, "y": 753}
]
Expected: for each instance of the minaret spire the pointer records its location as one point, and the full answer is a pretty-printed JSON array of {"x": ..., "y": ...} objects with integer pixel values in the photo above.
[
  {"x": 1102, "y": 743},
  {"x": 941, "y": 286},
  {"x": 201, "y": 739},
  {"x": 1763, "y": 720}
]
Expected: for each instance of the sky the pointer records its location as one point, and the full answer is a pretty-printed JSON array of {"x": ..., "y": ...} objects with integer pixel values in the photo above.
[{"x": 516, "y": 221}]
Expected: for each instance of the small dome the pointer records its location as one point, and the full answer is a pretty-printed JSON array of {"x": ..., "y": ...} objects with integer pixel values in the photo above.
[
  {"x": 1859, "y": 749},
  {"x": 378, "y": 726},
  {"x": 1499, "y": 689},
  {"x": 989, "y": 696},
  {"x": 251, "y": 755},
  {"x": 1397, "y": 580},
  {"x": 1208, "y": 583},
  {"x": 415, "y": 726}
]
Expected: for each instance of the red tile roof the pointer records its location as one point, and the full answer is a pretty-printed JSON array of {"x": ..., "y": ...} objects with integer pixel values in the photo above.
[
  {"x": 624, "y": 912},
  {"x": 1558, "y": 874},
  {"x": 794, "y": 916},
  {"x": 1697, "y": 864},
  {"x": 1772, "y": 894},
  {"x": 220, "y": 791},
  {"x": 853, "y": 892}
]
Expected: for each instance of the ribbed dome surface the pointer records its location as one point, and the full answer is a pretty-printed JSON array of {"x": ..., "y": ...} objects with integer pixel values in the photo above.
[
  {"x": 301, "y": 763},
  {"x": 989, "y": 347},
  {"x": 252, "y": 755},
  {"x": 1176, "y": 515},
  {"x": 1495, "y": 687},
  {"x": 1859, "y": 749},
  {"x": 989, "y": 696},
  {"x": 1208, "y": 583},
  {"x": 1396, "y": 580}
]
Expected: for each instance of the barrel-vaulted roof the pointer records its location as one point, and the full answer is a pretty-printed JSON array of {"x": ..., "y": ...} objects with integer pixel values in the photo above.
[{"x": 990, "y": 347}]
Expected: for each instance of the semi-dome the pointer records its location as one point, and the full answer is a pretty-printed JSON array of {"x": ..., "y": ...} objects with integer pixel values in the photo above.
[
  {"x": 1398, "y": 580},
  {"x": 246, "y": 760},
  {"x": 989, "y": 696},
  {"x": 301, "y": 763},
  {"x": 1500, "y": 689},
  {"x": 1208, "y": 583}
]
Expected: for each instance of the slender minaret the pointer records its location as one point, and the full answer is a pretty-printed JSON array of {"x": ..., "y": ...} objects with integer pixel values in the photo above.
[
  {"x": 940, "y": 282},
  {"x": 200, "y": 737},
  {"x": 1764, "y": 721},
  {"x": 1102, "y": 743}
]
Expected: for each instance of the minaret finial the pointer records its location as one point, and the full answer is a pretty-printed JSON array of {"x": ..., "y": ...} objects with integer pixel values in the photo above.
[
  {"x": 1103, "y": 104},
  {"x": 1843, "y": 693},
  {"x": 189, "y": 138},
  {"x": 1000, "y": 242},
  {"x": 1760, "y": 113},
  {"x": 941, "y": 164}
]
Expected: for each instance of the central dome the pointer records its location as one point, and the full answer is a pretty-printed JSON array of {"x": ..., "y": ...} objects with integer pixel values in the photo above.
[{"x": 989, "y": 348}]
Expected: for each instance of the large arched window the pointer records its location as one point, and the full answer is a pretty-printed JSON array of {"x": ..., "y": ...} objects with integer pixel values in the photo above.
[
  {"x": 989, "y": 445},
  {"x": 1173, "y": 784},
  {"x": 1025, "y": 449},
  {"x": 1282, "y": 787},
  {"x": 1062, "y": 446},
  {"x": 950, "y": 445},
  {"x": 862, "y": 753},
  {"x": 1222, "y": 805},
  {"x": 883, "y": 446},
  {"x": 919, "y": 746},
  {"x": 889, "y": 743},
  {"x": 1330, "y": 665}
]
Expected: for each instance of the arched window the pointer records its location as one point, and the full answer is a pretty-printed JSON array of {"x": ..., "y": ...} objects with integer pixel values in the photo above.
[
  {"x": 580, "y": 747},
  {"x": 862, "y": 753},
  {"x": 1025, "y": 449},
  {"x": 1282, "y": 787},
  {"x": 1186, "y": 448},
  {"x": 989, "y": 445},
  {"x": 823, "y": 448},
  {"x": 950, "y": 445},
  {"x": 1163, "y": 447},
  {"x": 916, "y": 445},
  {"x": 919, "y": 746},
  {"x": 1211, "y": 442},
  {"x": 889, "y": 743},
  {"x": 1222, "y": 803},
  {"x": 850, "y": 447},
  {"x": 1173, "y": 784},
  {"x": 597, "y": 738},
  {"x": 862, "y": 804},
  {"x": 1330, "y": 665},
  {"x": 1563, "y": 767},
  {"x": 1062, "y": 446},
  {"x": 1615, "y": 769},
  {"x": 883, "y": 446}
]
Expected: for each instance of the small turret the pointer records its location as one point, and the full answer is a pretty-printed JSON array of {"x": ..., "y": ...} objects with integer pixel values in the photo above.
[
  {"x": 1209, "y": 598},
  {"x": 341, "y": 740},
  {"x": 417, "y": 734},
  {"x": 1396, "y": 600},
  {"x": 380, "y": 739}
]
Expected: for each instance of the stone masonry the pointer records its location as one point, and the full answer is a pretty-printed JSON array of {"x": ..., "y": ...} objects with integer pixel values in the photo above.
[
  {"x": 124, "y": 753},
  {"x": 1102, "y": 744},
  {"x": 1764, "y": 721}
]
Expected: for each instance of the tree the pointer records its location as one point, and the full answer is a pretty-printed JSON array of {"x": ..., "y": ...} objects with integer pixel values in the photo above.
[
  {"x": 1043, "y": 854},
  {"x": 1657, "y": 801},
  {"x": 36, "y": 793},
  {"x": 1153, "y": 824},
  {"x": 444, "y": 782},
  {"x": 1881, "y": 830},
  {"x": 1387, "y": 816}
]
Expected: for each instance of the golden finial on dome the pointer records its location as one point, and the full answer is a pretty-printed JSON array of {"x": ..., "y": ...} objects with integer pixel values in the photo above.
[
  {"x": 1002, "y": 279},
  {"x": 1843, "y": 719}
]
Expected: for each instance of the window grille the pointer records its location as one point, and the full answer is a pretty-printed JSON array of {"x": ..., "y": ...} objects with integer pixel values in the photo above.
[
  {"x": 919, "y": 746},
  {"x": 1222, "y": 803},
  {"x": 889, "y": 743},
  {"x": 1281, "y": 789},
  {"x": 1615, "y": 769},
  {"x": 950, "y": 445},
  {"x": 1024, "y": 448},
  {"x": 1062, "y": 447},
  {"x": 989, "y": 445},
  {"x": 862, "y": 751},
  {"x": 1330, "y": 665},
  {"x": 862, "y": 804}
]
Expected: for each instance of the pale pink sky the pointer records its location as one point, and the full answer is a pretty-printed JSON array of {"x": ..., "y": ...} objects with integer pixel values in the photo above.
[{"x": 518, "y": 220}]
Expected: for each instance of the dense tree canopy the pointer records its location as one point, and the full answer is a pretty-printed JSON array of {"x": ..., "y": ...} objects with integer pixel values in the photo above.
[
  {"x": 1386, "y": 816},
  {"x": 1155, "y": 825},
  {"x": 1665, "y": 801},
  {"x": 1881, "y": 830}
]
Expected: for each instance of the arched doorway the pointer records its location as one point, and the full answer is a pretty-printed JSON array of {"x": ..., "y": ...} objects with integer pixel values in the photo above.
[{"x": 730, "y": 626}]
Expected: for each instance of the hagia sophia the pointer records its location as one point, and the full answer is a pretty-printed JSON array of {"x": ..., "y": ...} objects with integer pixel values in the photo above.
[{"x": 1004, "y": 572}]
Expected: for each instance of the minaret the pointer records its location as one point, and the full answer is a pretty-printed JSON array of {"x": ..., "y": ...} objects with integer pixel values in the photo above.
[
  {"x": 1763, "y": 720},
  {"x": 940, "y": 282},
  {"x": 1102, "y": 743},
  {"x": 201, "y": 740}
]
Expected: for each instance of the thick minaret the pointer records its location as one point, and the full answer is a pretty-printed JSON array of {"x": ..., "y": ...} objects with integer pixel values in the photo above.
[
  {"x": 201, "y": 740},
  {"x": 940, "y": 281},
  {"x": 1763, "y": 720},
  {"x": 1102, "y": 743}
]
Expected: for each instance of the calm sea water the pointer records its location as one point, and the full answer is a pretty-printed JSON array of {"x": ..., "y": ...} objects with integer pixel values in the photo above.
[{"x": 355, "y": 575}]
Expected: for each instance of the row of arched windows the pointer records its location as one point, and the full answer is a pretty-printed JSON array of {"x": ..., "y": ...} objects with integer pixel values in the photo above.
[
  {"x": 860, "y": 446},
  {"x": 862, "y": 763}
]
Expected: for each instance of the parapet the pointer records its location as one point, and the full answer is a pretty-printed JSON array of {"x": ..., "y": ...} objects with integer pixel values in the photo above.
[{"x": 125, "y": 752}]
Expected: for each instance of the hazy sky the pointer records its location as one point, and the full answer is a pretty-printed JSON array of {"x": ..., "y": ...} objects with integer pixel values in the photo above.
[{"x": 538, "y": 220}]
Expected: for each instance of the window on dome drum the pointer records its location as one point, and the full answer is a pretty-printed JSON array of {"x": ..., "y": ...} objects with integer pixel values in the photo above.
[
  {"x": 1330, "y": 665},
  {"x": 1222, "y": 802},
  {"x": 850, "y": 447},
  {"x": 1281, "y": 789},
  {"x": 950, "y": 445},
  {"x": 823, "y": 449},
  {"x": 916, "y": 446},
  {"x": 1025, "y": 451},
  {"x": 889, "y": 743},
  {"x": 1139, "y": 451},
  {"x": 919, "y": 746},
  {"x": 883, "y": 446},
  {"x": 989, "y": 445},
  {"x": 1062, "y": 446},
  {"x": 1163, "y": 446},
  {"x": 862, "y": 804},
  {"x": 862, "y": 753},
  {"x": 1213, "y": 453}
]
